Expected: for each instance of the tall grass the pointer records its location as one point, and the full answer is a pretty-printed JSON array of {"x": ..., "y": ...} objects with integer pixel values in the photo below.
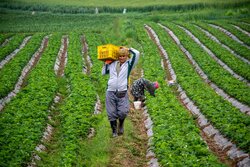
[
  {"x": 112, "y": 6},
  {"x": 122, "y": 3}
]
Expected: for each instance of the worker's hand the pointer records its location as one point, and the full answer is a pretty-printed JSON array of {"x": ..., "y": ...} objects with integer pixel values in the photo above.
[
  {"x": 128, "y": 49},
  {"x": 108, "y": 61}
]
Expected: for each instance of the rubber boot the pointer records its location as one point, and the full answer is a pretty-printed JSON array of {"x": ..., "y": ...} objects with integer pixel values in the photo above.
[
  {"x": 120, "y": 128},
  {"x": 114, "y": 128}
]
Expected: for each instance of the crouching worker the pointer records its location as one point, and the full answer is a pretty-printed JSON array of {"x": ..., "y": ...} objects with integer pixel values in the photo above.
[
  {"x": 140, "y": 85},
  {"x": 117, "y": 101}
]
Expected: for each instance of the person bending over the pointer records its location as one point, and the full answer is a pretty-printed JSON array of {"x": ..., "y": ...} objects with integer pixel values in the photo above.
[{"x": 140, "y": 85}]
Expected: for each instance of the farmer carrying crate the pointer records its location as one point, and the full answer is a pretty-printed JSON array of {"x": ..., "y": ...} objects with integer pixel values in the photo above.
[{"x": 117, "y": 101}]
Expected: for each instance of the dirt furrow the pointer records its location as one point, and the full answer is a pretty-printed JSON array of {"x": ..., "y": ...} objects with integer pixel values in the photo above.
[
  {"x": 86, "y": 57},
  {"x": 230, "y": 35},
  {"x": 221, "y": 146},
  {"x": 224, "y": 46},
  {"x": 13, "y": 54},
  {"x": 146, "y": 126},
  {"x": 6, "y": 41},
  {"x": 47, "y": 134},
  {"x": 211, "y": 54},
  {"x": 61, "y": 60},
  {"x": 245, "y": 32},
  {"x": 245, "y": 23},
  {"x": 26, "y": 70},
  {"x": 243, "y": 108},
  {"x": 49, "y": 130}
]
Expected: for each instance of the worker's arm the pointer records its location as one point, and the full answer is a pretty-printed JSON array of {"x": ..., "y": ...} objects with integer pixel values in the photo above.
[
  {"x": 105, "y": 68},
  {"x": 149, "y": 87},
  {"x": 135, "y": 57}
]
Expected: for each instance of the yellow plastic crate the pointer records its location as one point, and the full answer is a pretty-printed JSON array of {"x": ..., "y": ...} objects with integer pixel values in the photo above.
[{"x": 107, "y": 52}]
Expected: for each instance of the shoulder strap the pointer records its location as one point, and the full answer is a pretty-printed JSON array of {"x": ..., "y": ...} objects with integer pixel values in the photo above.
[
  {"x": 130, "y": 66},
  {"x": 129, "y": 70}
]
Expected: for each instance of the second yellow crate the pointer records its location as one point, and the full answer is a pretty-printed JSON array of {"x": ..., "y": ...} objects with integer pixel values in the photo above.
[{"x": 108, "y": 52}]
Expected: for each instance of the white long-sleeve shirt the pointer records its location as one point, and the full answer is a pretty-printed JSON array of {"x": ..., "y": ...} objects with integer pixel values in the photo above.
[{"x": 120, "y": 82}]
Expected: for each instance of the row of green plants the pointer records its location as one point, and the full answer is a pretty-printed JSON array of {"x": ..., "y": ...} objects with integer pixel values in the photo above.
[
  {"x": 12, "y": 45},
  {"x": 3, "y": 37},
  {"x": 73, "y": 117},
  {"x": 223, "y": 116},
  {"x": 243, "y": 25},
  {"x": 229, "y": 27},
  {"x": 10, "y": 73},
  {"x": 235, "y": 46},
  {"x": 23, "y": 120},
  {"x": 77, "y": 111},
  {"x": 176, "y": 139},
  {"x": 213, "y": 70},
  {"x": 94, "y": 40},
  {"x": 238, "y": 66}
]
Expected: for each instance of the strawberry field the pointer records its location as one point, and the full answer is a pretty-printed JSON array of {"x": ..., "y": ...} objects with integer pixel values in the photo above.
[{"x": 52, "y": 93}]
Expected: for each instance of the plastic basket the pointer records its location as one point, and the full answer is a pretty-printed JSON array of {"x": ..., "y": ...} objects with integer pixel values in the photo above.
[
  {"x": 107, "y": 52},
  {"x": 137, "y": 105}
]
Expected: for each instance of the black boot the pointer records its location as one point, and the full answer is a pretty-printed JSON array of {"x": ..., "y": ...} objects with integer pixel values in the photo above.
[
  {"x": 114, "y": 128},
  {"x": 121, "y": 129}
]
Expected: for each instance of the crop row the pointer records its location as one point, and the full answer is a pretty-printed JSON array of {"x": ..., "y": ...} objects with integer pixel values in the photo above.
[
  {"x": 211, "y": 36},
  {"x": 25, "y": 71},
  {"x": 176, "y": 136},
  {"x": 239, "y": 34},
  {"x": 12, "y": 70},
  {"x": 229, "y": 34},
  {"x": 214, "y": 107},
  {"x": 61, "y": 59},
  {"x": 176, "y": 139},
  {"x": 241, "y": 30},
  {"x": 97, "y": 79},
  {"x": 237, "y": 47},
  {"x": 241, "y": 68},
  {"x": 243, "y": 25},
  {"x": 213, "y": 56},
  {"x": 76, "y": 116},
  {"x": 240, "y": 94},
  {"x": 4, "y": 38},
  {"x": 211, "y": 134},
  {"x": 22, "y": 121},
  {"x": 12, "y": 45},
  {"x": 77, "y": 111},
  {"x": 229, "y": 84},
  {"x": 243, "y": 108}
]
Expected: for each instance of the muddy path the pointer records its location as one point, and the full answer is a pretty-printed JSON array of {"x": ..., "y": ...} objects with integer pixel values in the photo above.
[{"x": 131, "y": 148}]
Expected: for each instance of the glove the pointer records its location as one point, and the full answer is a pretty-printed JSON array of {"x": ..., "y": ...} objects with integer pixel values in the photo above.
[{"x": 108, "y": 61}]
